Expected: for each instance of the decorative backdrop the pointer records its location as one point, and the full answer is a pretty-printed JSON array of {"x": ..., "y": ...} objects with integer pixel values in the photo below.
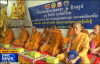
[{"x": 62, "y": 13}]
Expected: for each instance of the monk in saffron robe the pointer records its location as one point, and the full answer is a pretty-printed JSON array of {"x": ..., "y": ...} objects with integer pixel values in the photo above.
[
  {"x": 64, "y": 38},
  {"x": 55, "y": 40},
  {"x": 23, "y": 37},
  {"x": 46, "y": 32},
  {"x": 79, "y": 42},
  {"x": 84, "y": 31},
  {"x": 95, "y": 38},
  {"x": 70, "y": 31},
  {"x": 9, "y": 37},
  {"x": 35, "y": 40}
]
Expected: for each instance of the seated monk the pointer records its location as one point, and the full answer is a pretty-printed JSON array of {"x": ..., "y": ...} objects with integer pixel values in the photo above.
[
  {"x": 9, "y": 36},
  {"x": 79, "y": 42},
  {"x": 64, "y": 38},
  {"x": 46, "y": 32},
  {"x": 55, "y": 40},
  {"x": 95, "y": 41},
  {"x": 70, "y": 31},
  {"x": 35, "y": 40},
  {"x": 23, "y": 37},
  {"x": 84, "y": 31}
]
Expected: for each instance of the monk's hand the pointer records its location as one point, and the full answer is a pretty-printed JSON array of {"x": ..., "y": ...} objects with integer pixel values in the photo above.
[
  {"x": 33, "y": 48},
  {"x": 69, "y": 62},
  {"x": 93, "y": 51},
  {"x": 66, "y": 60},
  {"x": 25, "y": 45},
  {"x": 98, "y": 53},
  {"x": 53, "y": 53},
  {"x": 42, "y": 49},
  {"x": 72, "y": 61},
  {"x": 21, "y": 44}
]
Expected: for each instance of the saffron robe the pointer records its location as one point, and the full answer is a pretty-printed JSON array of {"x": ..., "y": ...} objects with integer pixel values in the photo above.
[
  {"x": 23, "y": 38},
  {"x": 8, "y": 37},
  {"x": 86, "y": 31},
  {"x": 36, "y": 41},
  {"x": 81, "y": 44},
  {"x": 56, "y": 43}
]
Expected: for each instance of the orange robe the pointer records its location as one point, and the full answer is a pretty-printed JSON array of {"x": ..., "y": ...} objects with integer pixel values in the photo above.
[
  {"x": 70, "y": 33},
  {"x": 56, "y": 43},
  {"x": 97, "y": 40},
  {"x": 46, "y": 35},
  {"x": 64, "y": 38},
  {"x": 23, "y": 38},
  {"x": 86, "y": 31},
  {"x": 8, "y": 37},
  {"x": 81, "y": 44},
  {"x": 36, "y": 41}
]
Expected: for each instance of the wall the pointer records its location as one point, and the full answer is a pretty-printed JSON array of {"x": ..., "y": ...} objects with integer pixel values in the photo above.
[{"x": 30, "y": 3}]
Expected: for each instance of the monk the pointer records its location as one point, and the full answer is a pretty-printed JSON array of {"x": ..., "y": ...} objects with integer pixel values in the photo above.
[
  {"x": 79, "y": 42},
  {"x": 9, "y": 36},
  {"x": 23, "y": 37},
  {"x": 56, "y": 28},
  {"x": 35, "y": 40},
  {"x": 95, "y": 38},
  {"x": 55, "y": 40},
  {"x": 46, "y": 32},
  {"x": 84, "y": 31},
  {"x": 64, "y": 38},
  {"x": 70, "y": 31}
]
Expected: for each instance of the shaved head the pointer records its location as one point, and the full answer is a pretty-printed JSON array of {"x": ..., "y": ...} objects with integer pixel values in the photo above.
[
  {"x": 97, "y": 29},
  {"x": 83, "y": 27},
  {"x": 77, "y": 28},
  {"x": 77, "y": 23},
  {"x": 49, "y": 26},
  {"x": 45, "y": 28},
  {"x": 34, "y": 29},
  {"x": 98, "y": 26},
  {"x": 22, "y": 27},
  {"x": 70, "y": 26},
  {"x": 56, "y": 27},
  {"x": 52, "y": 29},
  {"x": 7, "y": 26}
]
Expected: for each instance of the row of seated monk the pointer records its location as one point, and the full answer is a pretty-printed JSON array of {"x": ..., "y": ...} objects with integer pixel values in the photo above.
[{"x": 77, "y": 38}]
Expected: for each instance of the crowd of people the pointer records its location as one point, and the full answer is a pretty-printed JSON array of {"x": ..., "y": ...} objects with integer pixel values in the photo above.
[{"x": 78, "y": 40}]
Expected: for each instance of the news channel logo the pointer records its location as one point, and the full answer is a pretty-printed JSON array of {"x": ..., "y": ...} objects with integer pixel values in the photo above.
[{"x": 9, "y": 57}]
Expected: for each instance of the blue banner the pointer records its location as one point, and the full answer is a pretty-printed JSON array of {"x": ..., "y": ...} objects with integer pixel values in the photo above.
[
  {"x": 62, "y": 13},
  {"x": 8, "y": 57}
]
